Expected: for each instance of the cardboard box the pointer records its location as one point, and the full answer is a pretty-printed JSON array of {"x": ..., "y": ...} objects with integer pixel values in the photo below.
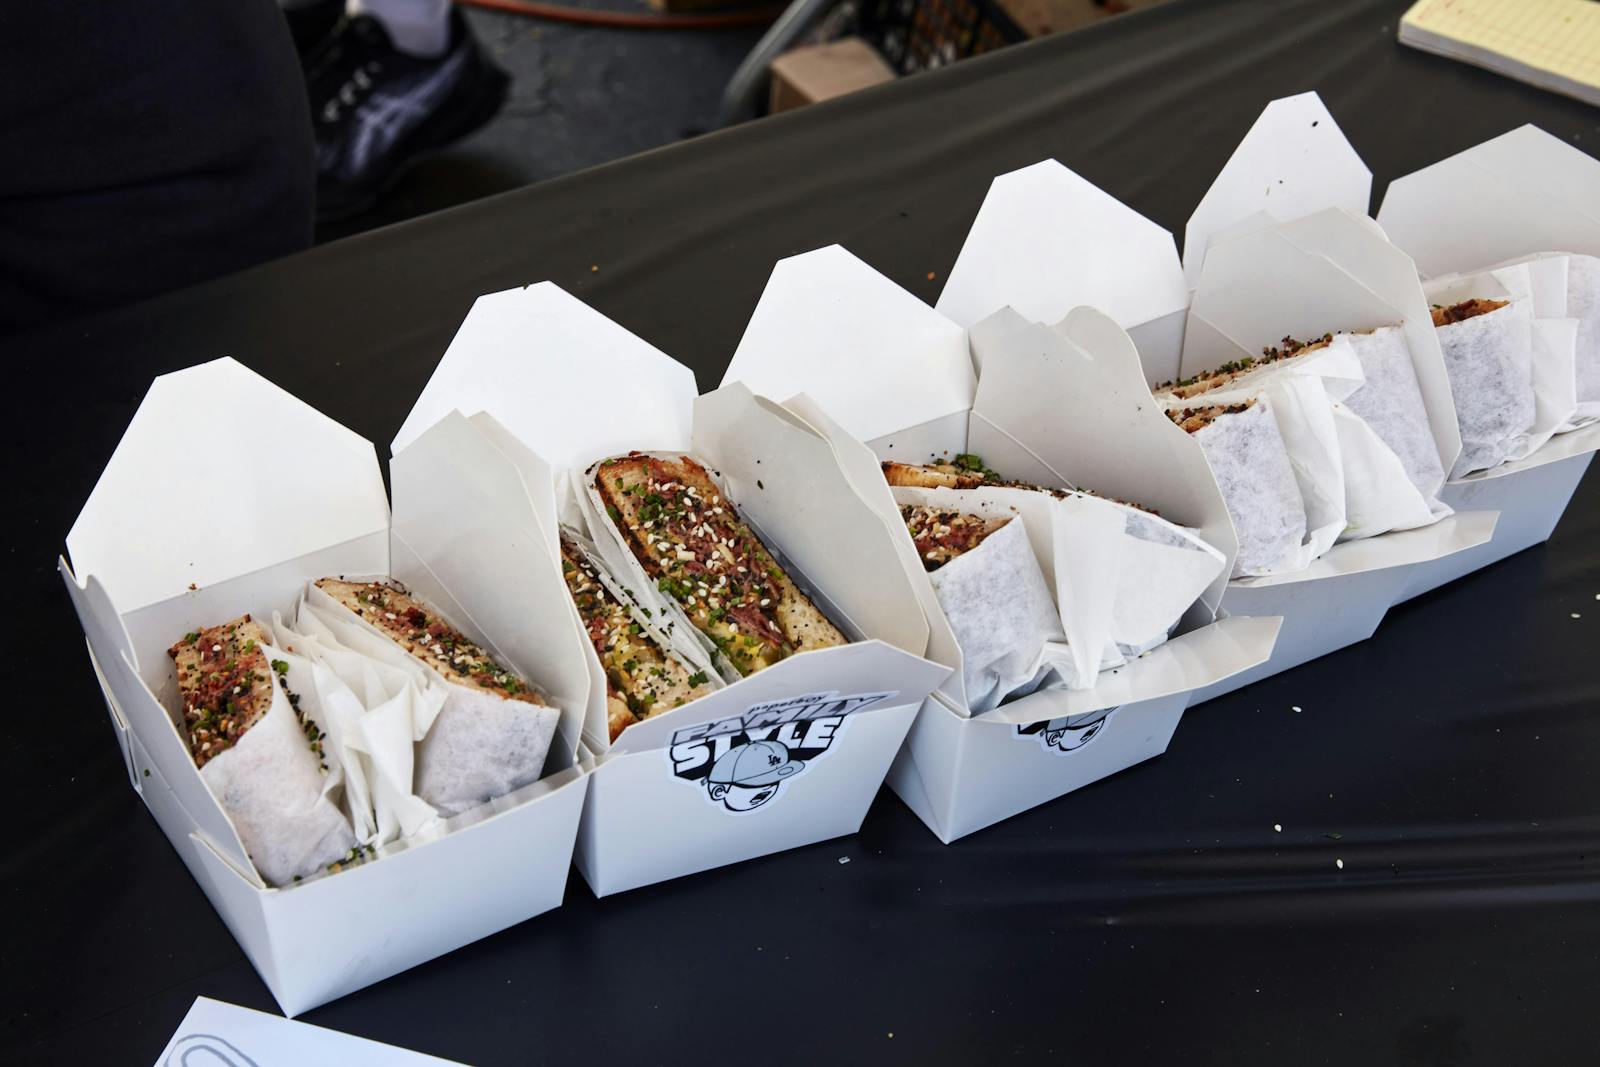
[
  {"x": 574, "y": 388},
  {"x": 1045, "y": 241},
  {"x": 145, "y": 570},
  {"x": 887, "y": 377},
  {"x": 816, "y": 72},
  {"x": 1516, "y": 195}
]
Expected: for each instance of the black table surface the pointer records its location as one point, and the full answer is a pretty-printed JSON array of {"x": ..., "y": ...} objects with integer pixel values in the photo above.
[{"x": 1450, "y": 763}]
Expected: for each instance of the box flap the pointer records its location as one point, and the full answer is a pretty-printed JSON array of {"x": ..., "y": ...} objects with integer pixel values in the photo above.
[
  {"x": 275, "y": 477},
  {"x": 1398, "y": 548},
  {"x": 861, "y": 466},
  {"x": 568, "y": 382},
  {"x": 1193, "y": 661},
  {"x": 498, "y": 569},
  {"x": 786, "y": 481},
  {"x": 1513, "y": 195},
  {"x": 875, "y": 357},
  {"x": 1261, "y": 287},
  {"x": 1293, "y": 161},
  {"x": 1561, "y": 446},
  {"x": 1069, "y": 403},
  {"x": 1046, "y": 241},
  {"x": 150, "y": 723}
]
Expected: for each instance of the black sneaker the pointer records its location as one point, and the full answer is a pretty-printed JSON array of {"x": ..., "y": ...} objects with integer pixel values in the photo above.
[
  {"x": 312, "y": 23},
  {"x": 375, "y": 109}
]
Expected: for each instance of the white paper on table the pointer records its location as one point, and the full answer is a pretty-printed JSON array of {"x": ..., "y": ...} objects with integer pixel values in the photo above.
[
  {"x": 272, "y": 787},
  {"x": 478, "y": 746},
  {"x": 215, "y": 1034}
]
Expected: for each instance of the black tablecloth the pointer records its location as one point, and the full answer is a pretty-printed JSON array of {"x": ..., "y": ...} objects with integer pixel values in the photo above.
[{"x": 1159, "y": 915}]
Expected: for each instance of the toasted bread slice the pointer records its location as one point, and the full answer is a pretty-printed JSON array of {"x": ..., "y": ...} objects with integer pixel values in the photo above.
[
  {"x": 418, "y": 629},
  {"x": 941, "y": 534},
  {"x": 957, "y": 475},
  {"x": 641, "y": 679},
  {"x": 1193, "y": 419},
  {"x": 225, "y": 683},
  {"x": 692, "y": 542},
  {"x": 968, "y": 472}
]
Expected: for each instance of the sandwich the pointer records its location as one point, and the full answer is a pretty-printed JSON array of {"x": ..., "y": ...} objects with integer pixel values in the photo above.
[
  {"x": 492, "y": 729},
  {"x": 642, "y": 678},
  {"x": 260, "y": 753},
  {"x": 690, "y": 541}
]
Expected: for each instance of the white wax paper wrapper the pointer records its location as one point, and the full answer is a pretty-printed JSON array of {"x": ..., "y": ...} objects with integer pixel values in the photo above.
[
  {"x": 380, "y": 715},
  {"x": 1565, "y": 290},
  {"x": 478, "y": 746},
  {"x": 336, "y": 711},
  {"x": 1078, "y": 542},
  {"x": 1489, "y": 360},
  {"x": 1390, "y": 401},
  {"x": 272, "y": 787},
  {"x": 1250, "y": 462},
  {"x": 1546, "y": 347},
  {"x": 1002, "y": 616},
  {"x": 1583, "y": 304},
  {"x": 1163, "y": 569},
  {"x": 1376, "y": 493}
]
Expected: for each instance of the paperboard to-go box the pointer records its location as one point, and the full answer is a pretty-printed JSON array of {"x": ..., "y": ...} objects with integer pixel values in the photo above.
[
  {"x": 1517, "y": 195},
  {"x": 1046, "y": 241},
  {"x": 887, "y": 377},
  {"x": 576, "y": 388},
  {"x": 188, "y": 528}
]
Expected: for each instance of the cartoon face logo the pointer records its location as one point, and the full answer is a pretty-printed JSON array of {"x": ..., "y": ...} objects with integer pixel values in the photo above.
[
  {"x": 746, "y": 777},
  {"x": 1070, "y": 732},
  {"x": 742, "y": 761}
]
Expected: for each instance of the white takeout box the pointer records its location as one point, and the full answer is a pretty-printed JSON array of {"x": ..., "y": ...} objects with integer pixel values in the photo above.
[
  {"x": 225, "y": 496},
  {"x": 873, "y": 364},
  {"x": 1294, "y": 161},
  {"x": 575, "y": 387},
  {"x": 1519, "y": 194},
  {"x": 1328, "y": 271}
]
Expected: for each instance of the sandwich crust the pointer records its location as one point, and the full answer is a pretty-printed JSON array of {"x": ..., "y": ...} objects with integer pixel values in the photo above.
[
  {"x": 690, "y": 539},
  {"x": 418, "y": 629}
]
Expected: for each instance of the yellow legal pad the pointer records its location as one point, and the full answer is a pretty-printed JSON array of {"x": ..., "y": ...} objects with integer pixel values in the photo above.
[{"x": 1554, "y": 44}]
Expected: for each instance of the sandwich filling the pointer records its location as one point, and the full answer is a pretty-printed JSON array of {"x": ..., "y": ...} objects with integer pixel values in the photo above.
[{"x": 941, "y": 535}]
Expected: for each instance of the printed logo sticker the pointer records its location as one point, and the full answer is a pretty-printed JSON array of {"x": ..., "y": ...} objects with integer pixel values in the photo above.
[
  {"x": 742, "y": 762},
  {"x": 1068, "y": 734}
]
